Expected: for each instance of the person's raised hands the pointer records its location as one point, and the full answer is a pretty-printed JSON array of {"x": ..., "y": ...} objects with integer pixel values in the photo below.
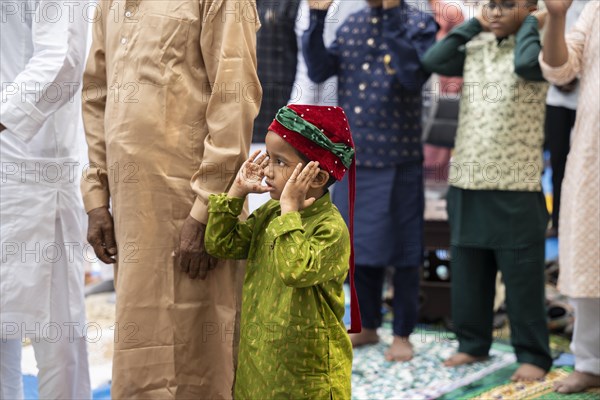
[
  {"x": 483, "y": 17},
  {"x": 319, "y": 4},
  {"x": 558, "y": 7},
  {"x": 293, "y": 197},
  {"x": 250, "y": 176},
  {"x": 387, "y": 4}
]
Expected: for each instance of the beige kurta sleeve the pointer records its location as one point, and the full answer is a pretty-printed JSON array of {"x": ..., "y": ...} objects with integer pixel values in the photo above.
[
  {"x": 94, "y": 182},
  {"x": 228, "y": 46},
  {"x": 576, "y": 39}
]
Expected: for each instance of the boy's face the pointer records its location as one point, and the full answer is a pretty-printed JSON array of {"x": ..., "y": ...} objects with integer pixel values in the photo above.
[
  {"x": 507, "y": 16},
  {"x": 283, "y": 158}
]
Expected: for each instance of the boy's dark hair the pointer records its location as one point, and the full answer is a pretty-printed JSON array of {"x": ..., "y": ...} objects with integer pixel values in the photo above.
[{"x": 331, "y": 180}]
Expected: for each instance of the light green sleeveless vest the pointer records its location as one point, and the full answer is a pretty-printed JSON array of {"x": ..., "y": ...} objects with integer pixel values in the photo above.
[{"x": 501, "y": 123}]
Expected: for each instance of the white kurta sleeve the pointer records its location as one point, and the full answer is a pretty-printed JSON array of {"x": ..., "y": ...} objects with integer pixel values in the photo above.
[{"x": 52, "y": 75}]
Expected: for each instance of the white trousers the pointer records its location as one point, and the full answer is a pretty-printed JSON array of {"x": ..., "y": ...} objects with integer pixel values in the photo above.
[
  {"x": 63, "y": 369},
  {"x": 61, "y": 357},
  {"x": 586, "y": 335}
]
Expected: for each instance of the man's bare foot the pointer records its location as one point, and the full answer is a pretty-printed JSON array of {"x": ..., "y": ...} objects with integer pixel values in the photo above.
[
  {"x": 366, "y": 336},
  {"x": 528, "y": 372},
  {"x": 400, "y": 350},
  {"x": 462, "y": 359},
  {"x": 577, "y": 382}
]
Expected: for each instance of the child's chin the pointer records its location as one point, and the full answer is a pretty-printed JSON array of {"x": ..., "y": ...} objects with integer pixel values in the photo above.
[
  {"x": 500, "y": 32},
  {"x": 274, "y": 196}
]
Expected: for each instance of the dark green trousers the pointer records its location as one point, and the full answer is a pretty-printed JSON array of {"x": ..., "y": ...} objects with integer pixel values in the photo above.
[{"x": 473, "y": 289}]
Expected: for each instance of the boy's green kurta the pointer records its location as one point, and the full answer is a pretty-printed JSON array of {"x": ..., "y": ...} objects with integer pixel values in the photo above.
[{"x": 293, "y": 341}]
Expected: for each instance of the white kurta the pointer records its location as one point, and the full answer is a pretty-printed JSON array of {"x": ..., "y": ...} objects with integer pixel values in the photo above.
[
  {"x": 43, "y": 49},
  {"x": 579, "y": 252}
]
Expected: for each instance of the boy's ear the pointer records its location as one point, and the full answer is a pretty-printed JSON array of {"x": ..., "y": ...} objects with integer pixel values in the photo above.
[{"x": 320, "y": 180}]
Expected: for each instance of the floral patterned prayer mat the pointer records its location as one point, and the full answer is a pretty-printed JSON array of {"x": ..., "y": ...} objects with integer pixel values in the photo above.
[
  {"x": 497, "y": 386},
  {"x": 424, "y": 377}
]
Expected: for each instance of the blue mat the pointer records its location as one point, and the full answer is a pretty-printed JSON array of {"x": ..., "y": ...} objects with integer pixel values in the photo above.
[{"x": 551, "y": 249}]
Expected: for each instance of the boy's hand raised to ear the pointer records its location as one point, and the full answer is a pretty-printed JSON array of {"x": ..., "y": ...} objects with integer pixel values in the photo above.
[
  {"x": 483, "y": 18},
  {"x": 319, "y": 4},
  {"x": 250, "y": 176},
  {"x": 293, "y": 197}
]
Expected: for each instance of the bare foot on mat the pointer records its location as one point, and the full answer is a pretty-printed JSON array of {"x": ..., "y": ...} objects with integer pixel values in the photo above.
[
  {"x": 462, "y": 359},
  {"x": 528, "y": 372},
  {"x": 577, "y": 382},
  {"x": 400, "y": 350},
  {"x": 365, "y": 337}
]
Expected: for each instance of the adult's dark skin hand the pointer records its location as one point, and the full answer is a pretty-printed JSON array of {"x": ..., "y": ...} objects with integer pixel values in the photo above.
[
  {"x": 101, "y": 234},
  {"x": 2, "y": 127},
  {"x": 193, "y": 258}
]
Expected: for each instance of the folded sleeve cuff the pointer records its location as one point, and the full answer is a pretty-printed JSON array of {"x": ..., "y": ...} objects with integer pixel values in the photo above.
[
  {"x": 93, "y": 200},
  {"x": 21, "y": 119},
  {"x": 221, "y": 203},
  {"x": 200, "y": 211},
  {"x": 556, "y": 75},
  {"x": 94, "y": 190}
]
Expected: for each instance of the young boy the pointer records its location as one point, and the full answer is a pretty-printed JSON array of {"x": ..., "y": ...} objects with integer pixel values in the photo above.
[
  {"x": 293, "y": 341},
  {"x": 377, "y": 59},
  {"x": 496, "y": 209}
]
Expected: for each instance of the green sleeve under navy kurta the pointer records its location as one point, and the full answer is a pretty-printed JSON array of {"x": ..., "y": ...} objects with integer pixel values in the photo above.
[{"x": 293, "y": 342}]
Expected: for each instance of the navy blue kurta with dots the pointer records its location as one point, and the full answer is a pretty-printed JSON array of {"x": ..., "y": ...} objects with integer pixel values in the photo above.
[{"x": 376, "y": 56}]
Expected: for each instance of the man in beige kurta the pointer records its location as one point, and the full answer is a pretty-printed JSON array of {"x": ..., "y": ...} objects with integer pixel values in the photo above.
[{"x": 170, "y": 94}]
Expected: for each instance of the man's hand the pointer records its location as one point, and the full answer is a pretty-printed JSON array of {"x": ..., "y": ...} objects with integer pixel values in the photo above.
[
  {"x": 250, "y": 176},
  {"x": 558, "y": 7},
  {"x": 319, "y": 4},
  {"x": 101, "y": 234},
  {"x": 193, "y": 258},
  {"x": 293, "y": 196},
  {"x": 555, "y": 51},
  {"x": 2, "y": 127}
]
